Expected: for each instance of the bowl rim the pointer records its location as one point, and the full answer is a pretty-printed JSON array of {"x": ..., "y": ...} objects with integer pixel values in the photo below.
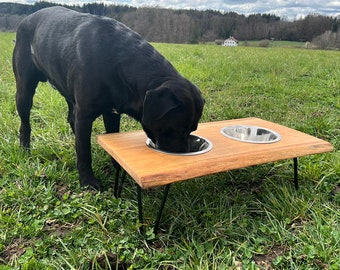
[
  {"x": 278, "y": 136},
  {"x": 149, "y": 143}
]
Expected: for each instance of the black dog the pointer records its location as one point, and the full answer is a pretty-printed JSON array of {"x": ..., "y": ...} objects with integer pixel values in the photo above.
[{"x": 101, "y": 66}]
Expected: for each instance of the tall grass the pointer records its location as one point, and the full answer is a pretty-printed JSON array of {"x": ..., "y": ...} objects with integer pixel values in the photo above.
[{"x": 244, "y": 219}]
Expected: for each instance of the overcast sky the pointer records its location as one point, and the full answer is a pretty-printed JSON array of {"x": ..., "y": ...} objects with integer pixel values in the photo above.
[{"x": 286, "y": 9}]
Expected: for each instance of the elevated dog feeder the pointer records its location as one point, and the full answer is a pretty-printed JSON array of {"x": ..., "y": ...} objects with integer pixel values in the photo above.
[{"x": 135, "y": 158}]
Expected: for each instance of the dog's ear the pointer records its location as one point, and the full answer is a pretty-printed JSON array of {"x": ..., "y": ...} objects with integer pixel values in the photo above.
[
  {"x": 157, "y": 103},
  {"x": 199, "y": 104}
]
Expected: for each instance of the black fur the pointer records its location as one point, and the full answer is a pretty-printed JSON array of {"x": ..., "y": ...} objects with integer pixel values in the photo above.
[{"x": 99, "y": 65}]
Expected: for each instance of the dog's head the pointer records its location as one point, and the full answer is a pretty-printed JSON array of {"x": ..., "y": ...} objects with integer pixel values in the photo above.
[{"x": 170, "y": 113}]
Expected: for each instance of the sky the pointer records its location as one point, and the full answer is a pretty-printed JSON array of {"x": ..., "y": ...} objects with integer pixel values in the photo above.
[{"x": 286, "y": 9}]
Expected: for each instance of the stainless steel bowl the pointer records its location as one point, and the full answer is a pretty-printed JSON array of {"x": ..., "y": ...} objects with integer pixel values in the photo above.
[
  {"x": 198, "y": 145},
  {"x": 251, "y": 134}
]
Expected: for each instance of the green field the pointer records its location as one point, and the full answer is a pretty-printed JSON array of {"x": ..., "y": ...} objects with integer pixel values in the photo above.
[
  {"x": 251, "y": 218},
  {"x": 274, "y": 43}
]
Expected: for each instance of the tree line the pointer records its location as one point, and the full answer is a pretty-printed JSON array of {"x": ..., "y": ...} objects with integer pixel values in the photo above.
[{"x": 189, "y": 26}]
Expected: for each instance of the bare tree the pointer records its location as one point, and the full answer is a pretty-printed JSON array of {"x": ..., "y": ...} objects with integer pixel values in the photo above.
[
  {"x": 327, "y": 40},
  {"x": 192, "y": 26},
  {"x": 10, "y": 22}
]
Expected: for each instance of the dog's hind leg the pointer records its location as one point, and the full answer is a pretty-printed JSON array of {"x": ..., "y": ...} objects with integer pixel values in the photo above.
[
  {"x": 70, "y": 116},
  {"x": 24, "y": 101},
  {"x": 27, "y": 78}
]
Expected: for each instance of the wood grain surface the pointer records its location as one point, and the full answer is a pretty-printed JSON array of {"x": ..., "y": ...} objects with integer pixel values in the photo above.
[{"x": 151, "y": 168}]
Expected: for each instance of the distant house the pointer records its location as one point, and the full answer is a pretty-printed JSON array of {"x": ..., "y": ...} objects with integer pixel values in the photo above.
[{"x": 230, "y": 42}]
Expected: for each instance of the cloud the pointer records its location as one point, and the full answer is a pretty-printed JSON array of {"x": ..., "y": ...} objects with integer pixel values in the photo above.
[
  {"x": 284, "y": 8},
  {"x": 290, "y": 9}
]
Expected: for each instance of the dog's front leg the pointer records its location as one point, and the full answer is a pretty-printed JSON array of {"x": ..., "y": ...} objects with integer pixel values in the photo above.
[
  {"x": 112, "y": 125},
  {"x": 83, "y": 128},
  {"x": 111, "y": 122}
]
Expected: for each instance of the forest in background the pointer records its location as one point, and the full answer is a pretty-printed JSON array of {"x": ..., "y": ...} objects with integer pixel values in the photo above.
[{"x": 191, "y": 26}]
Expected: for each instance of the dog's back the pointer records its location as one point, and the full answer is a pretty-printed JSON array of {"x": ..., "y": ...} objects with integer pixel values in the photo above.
[{"x": 63, "y": 43}]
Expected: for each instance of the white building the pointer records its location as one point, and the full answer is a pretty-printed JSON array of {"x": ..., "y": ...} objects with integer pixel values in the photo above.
[{"x": 230, "y": 42}]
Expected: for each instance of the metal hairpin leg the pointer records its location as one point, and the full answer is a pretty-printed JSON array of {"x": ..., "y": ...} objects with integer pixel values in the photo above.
[
  {"x": 140, "y": 208},
  {"x": 118, "y": 188},
  {"x": 160, "y": 211},
  {"x": 296, "y": 180}
]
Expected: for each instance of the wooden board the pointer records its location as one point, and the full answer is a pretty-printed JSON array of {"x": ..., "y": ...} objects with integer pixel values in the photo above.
[{"x": 150, "y": 168}]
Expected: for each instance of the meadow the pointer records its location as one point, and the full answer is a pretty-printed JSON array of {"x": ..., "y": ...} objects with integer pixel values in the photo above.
[{"x": 251, "y": 218}]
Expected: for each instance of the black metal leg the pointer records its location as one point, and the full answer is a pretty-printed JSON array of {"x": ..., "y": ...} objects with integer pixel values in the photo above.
[
  {"x": 115, "y": 190},
  {"x": 296, "y": 180},
  {"x": 140, "y": 208},
  {"x": 160, "y": 211},
  {"x": 118, "y": 188}
]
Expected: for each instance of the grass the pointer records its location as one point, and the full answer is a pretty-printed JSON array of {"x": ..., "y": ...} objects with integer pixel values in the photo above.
[
  {"x": 274, "y": 43},
  {"x": 244, "y": 219}
]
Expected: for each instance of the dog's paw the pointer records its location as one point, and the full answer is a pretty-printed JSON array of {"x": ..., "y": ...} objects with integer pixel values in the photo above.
[{"x": 92, "y": 183}]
